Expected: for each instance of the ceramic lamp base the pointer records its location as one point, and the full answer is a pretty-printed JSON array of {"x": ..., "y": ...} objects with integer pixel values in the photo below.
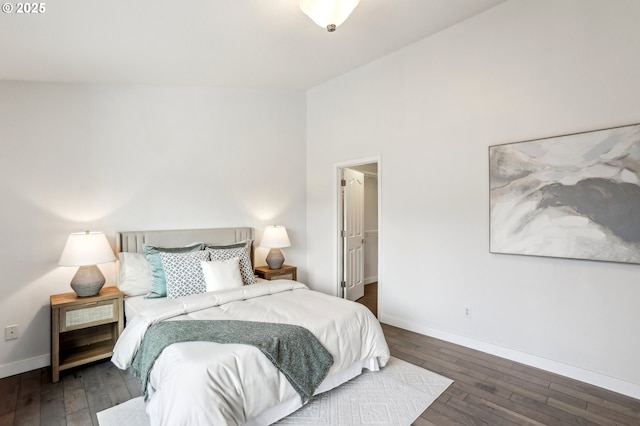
[
  {"x": 87, "y": 281},
  {"x": 275, "y": 258}
]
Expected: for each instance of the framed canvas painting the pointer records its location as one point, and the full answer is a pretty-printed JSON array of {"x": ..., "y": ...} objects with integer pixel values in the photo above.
[{"x": 573, "y": 196}]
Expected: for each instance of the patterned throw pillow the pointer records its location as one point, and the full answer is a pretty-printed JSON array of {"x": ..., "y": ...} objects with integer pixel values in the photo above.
[
  {"x": 158, "y": 279},
  {"x": 242, "y": 252},
  {"x": 184, "y": 273}
]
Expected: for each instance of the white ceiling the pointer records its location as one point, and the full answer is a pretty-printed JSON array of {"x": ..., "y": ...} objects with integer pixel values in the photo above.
[{"x": 226, "y": 43}]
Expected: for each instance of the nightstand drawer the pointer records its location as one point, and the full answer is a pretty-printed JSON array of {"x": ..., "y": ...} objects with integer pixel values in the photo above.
[
  {"x": 88, "y": 314},
  {"x": 288, "y": 276}
]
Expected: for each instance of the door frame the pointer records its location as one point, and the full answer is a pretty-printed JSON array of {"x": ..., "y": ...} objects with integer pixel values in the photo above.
[{"x": 337, "y": 242}]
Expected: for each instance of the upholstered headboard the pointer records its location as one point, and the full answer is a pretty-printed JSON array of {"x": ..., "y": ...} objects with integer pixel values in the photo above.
[{"x": 134, "y": 241}]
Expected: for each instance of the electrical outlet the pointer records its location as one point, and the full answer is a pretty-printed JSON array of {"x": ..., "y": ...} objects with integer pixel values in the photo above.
[
  {"x": 467, "y": 311},
  {"x": 11, "y": 332}
]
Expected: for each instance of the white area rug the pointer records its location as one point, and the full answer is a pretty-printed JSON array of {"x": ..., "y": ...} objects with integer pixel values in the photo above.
[
  {"x": 394, "y": 396},
  {"x": 130, "y": 413}
]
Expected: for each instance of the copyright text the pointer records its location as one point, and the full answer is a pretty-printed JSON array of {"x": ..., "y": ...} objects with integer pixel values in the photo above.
[{"x": 24, "y": 8}]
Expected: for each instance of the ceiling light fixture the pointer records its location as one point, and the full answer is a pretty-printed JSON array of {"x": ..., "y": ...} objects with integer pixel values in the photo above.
[{"x": 329, "y": 14}]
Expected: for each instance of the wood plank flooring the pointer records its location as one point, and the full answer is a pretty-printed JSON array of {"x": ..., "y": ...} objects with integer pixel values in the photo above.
[
  {"x": 370, "y": 298},
  {"x": 31, "y": 399},
  {"x": 487, "y": 391}
]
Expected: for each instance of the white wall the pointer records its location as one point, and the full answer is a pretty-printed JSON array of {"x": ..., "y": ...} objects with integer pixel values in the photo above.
[
  {"x": 117, "y": 158},
  {"x": 522, "y": 70}
]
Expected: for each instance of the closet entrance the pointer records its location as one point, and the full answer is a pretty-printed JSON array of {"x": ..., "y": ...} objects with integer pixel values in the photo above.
[{"x": 358, "y": 207}]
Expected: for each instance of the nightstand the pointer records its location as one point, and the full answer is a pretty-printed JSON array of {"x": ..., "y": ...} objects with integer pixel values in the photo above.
[
  {"x": 285, "y": 273},
  {"x": 84, "y": 329}
]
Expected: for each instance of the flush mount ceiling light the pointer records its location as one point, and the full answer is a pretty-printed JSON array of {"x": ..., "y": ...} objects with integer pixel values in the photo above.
[{"x": 329, "y": 14}]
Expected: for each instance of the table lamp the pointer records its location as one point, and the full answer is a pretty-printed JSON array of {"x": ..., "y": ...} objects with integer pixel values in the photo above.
[
  {"x": 86, "y": 250},
  {"x": 275, "y": 237}
]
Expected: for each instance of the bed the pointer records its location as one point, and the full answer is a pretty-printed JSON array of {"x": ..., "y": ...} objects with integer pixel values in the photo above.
[{"x": 204, "y": 382}]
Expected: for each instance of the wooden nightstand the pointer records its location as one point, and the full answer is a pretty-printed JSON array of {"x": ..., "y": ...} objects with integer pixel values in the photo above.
[
  {"x": 285, "y": 273},
  {"x": 84, "y": 329}
]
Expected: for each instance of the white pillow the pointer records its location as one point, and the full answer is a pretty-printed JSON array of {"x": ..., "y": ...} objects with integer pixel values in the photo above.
[
  {"x": 222, "y": 274},
  {"x": 135, "y": 274},
  {"x": 240, "y": 250}
]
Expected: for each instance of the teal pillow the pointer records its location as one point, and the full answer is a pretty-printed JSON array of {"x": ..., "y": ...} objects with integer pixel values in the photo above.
[{"x": 158, "y": 277}]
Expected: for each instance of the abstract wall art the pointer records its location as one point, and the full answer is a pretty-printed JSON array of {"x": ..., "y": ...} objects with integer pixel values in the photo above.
[{"x": 573, "y": 196}]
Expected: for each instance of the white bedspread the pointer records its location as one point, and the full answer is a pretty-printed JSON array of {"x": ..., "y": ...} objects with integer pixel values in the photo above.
[{"x": 200, "y": 383}]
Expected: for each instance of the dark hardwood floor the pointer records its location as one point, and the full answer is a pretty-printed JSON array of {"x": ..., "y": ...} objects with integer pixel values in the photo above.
[
  {"x": 31, "y": 399},
  {"x": 487, "y": 391},
  {"x": 370, "y": 298}
]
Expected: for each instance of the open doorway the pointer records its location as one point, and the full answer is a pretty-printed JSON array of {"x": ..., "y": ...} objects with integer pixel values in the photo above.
[{"x": 358, "y": 209}]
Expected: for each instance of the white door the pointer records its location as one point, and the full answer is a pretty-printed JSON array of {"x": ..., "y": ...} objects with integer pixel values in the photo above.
[{"x": 353, "y": 235}]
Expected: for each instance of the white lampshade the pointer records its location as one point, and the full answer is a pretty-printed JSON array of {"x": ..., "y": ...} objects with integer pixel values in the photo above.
[
  {"x": 275, "y": 237},
  {"x": 86, "y": 248},
  {"x": 328, "y": 14}
]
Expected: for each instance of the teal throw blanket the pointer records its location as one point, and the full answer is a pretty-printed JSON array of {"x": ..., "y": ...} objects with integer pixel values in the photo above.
[{"x": 291, "y": 348}]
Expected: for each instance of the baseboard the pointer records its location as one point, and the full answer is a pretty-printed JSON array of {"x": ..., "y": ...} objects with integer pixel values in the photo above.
[
  {"x": 371, "y": 280},
  {"x": 597, "y": 379},
  {"x": 24, "y": 365}
]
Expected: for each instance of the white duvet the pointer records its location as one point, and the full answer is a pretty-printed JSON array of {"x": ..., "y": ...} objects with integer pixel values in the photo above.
[{"x": 205, "y": 383}]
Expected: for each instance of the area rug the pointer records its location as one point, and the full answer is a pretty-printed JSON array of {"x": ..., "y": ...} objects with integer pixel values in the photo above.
[{"x": 394, "y": 396}]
